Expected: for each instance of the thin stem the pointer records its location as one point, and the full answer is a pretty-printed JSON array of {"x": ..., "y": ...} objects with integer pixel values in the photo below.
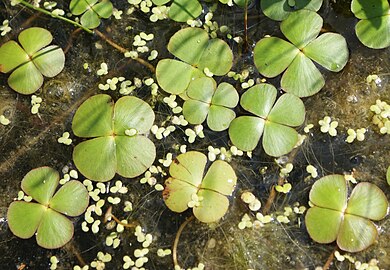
[
  {"x": 272, "y": 196},
  {"x": 329, "y": 260},
  {"x": 132, "y": 225},
  {"x": 246, "y": 26},
  {"x": 24, "y": 3},
  {"x": 176, "y": 242}
]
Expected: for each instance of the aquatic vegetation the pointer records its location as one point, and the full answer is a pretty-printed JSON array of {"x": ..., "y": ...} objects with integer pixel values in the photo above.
[
  {"x": 182, "y": 10},
  {"x": 206, "y": 100},
  {"x": 92, "y": 11},
  {"x": 279, "y": 10},
  {"x": 301, "y": 77},
  {"x": 46, "y": 216},
  {"x": 373, "y": 29},
  {"x": 31, "y": 60},
  {"x": 198, "y": 51},
  {"x": 118, "y": 144},
  {"x": 187, "y": 188},
  {"x": 272, "y": 120},
  {"x": 334, "y": 216},
  {"x": 388, "y": 175}
]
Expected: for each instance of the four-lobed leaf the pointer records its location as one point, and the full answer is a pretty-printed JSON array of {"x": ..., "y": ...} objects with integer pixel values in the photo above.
[
  {"x": 194, "y": 47},
  {"x": 111, "y": 150},
  {"x": 92, "y": 11},
  {"x": 333, "y": 217},
  {"x": 373, "y": 29},
  {"x": 45, "y": 217},
  {"x": 187, "y": 188},
  {"x": 301, "y": 77},
  {"x": 206, "y": 100},
  {"x": 30, "y": 60},
  {"x": 273, "y": 120}
]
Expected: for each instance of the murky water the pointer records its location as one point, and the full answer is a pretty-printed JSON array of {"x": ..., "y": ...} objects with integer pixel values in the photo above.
[{"x": 30, "y": 141}]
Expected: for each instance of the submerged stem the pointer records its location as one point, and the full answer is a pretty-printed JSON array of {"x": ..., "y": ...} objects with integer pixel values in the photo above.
[{"x": 176, "y": 242}]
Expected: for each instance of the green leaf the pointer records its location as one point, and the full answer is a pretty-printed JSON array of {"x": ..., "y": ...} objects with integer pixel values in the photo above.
[
  {"x": 301, "y": 27},
  {"x": 90, "y": 19},
  {"x": 71, "y": 199},
  {"x": 302, "y": 78},
  {"x": 280, "y": 9},
  {"x": 134, "y": 155},
  {"x": 78, "y": 7},
  {"x": 132, "y": 112},
  {"x": 34, "y": 38},
  {"x": 245, "y": 132},
  {"x": 189, "y": 167},
  {"x": 225, "y": 95},
  {"x": 24, "y": 218},
  {"x": 217, "y": 57},
  {"x": 330, "y": 192},
  {"x": 54, "y": 231},
  {"x": 323, "y": 224},
  {"x": 192, "y": 45},
  {"x": 177, "y": 194},
  {"x": 103, "y": 9},
  {"x": 11, "y": 56},
  {"x": 188, "y": 44},
  {"x": 259, "y": 99},
  {"x": 160, "y": 2},
  {"x": 273, "y": 55},
  {"x": 356, "y": 233},
  {"x": 220, "y": 178},
  {"x": 374, "y": 33},
  {"x": 219, "y": 117},
  {"x": 94, "y": 117},
  {"x": 368, "y": 201},
  {"x": 195, "y": 112},
  {"x": 96, "y": 158},
  {"x": 388, "y": 175},
  {"x": 288, "y": 110},
  {"x": 278, "y": 139},
  {"x": 50, "y": 61},
  {"x": 364, "y": 9},
  {"x": 202, "y": 89},
  {"x": 41, "y": 184},
  {"x": 212, "y": 207},
  {"x": 184, "y": 10},
  {"x": 174, "y": 76},
  {"x": 26, "y": 79},
  {"x": 334, "y": 59}
]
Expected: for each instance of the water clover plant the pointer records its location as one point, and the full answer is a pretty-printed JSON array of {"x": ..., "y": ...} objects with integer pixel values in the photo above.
[
  {"x": 279, "y": 10},
  {"x": 30, "y": 60},
  {"x": 205, "y": 99},
  {"x": 388, "y": 175},
  {"x": 335, "y": 217},
  {"x": 187, "y": 188},
  {"x": 92, "y": 11},
  {"x": 272, "y": 120},
  {"x": 182, "y": 10},
  {"x": 373, "y": 29},
  {"x": 198, "y": 51},
  {"x": 46, "y": 216},
  {"x": 118, "y": 144},
  {"x": 273, "y": 55}
]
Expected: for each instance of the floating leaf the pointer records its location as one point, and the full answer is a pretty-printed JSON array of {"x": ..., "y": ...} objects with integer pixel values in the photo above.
[
  {"x": 187, "y": 184},
  {"x": 275, "y": 120},
  {"x": 92, "y": 10},
  {"x": 333, "y": 217},
  {"x": 273, "y": 55},
  {"x": 193, "y": 46},
  {"x": 207, "y": 100},
  {"x": 112, "y": 151},
  {"x": 52, "y": 229},
  {"x": 388, "y": 175},
  {"x": 373, "y": 30},
  {"x": 280, "y": 9},
  {"x": 31, "y": 60}
]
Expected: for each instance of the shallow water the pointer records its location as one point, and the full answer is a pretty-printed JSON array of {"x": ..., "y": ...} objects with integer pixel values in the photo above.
[{"x": 30, "y": 141}]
